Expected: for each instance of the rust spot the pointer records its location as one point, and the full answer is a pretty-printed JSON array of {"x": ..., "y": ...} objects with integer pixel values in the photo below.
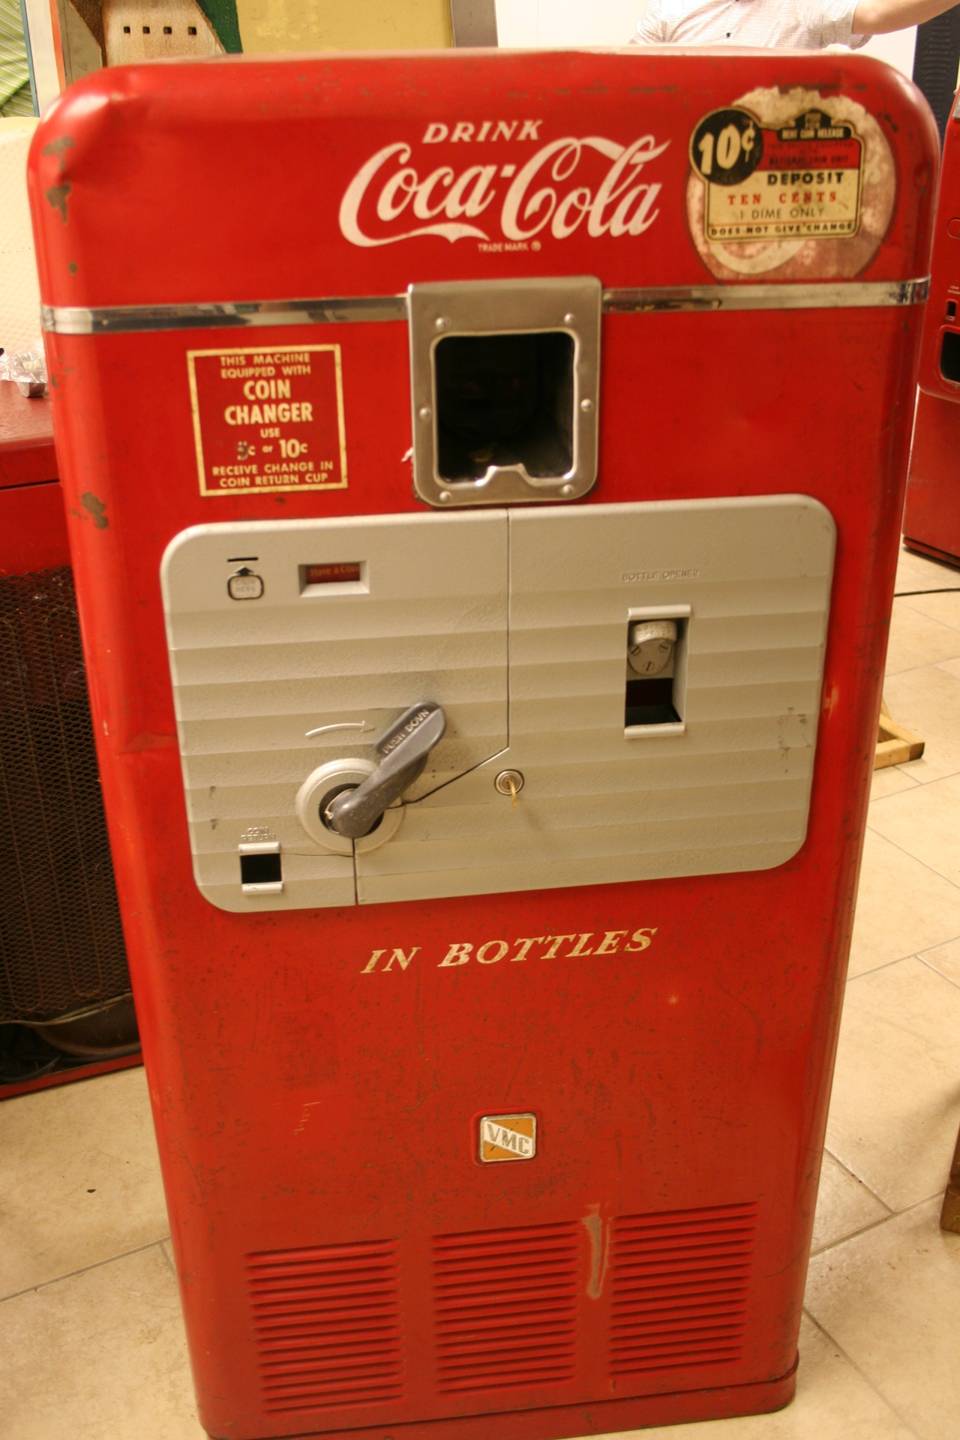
[
  {"x": 95, "y": 508},
  {"x": 72, "y": 267},
  {"x": 57, "y": 147},
  {"x": 593, "y": 1225},
  {"x": 57, "y": 197}
]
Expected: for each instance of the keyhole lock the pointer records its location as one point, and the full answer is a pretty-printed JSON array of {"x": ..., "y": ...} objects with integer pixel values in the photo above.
[
  {"x": 509, "y": 782},
  {"x": 356, "y": 803}
]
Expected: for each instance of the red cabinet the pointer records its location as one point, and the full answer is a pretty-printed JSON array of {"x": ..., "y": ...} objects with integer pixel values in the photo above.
[{"x": 571, "y": 394}]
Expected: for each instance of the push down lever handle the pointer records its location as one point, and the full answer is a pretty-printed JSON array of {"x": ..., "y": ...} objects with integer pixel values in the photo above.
[{"x": 403, "y": 749}]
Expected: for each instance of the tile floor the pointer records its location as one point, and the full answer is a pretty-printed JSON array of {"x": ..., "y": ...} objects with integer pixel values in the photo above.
[{"x": 90, "y": 1339}]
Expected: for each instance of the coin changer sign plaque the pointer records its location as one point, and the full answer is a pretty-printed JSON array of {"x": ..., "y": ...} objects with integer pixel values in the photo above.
[{"x": 268, "y": 419}]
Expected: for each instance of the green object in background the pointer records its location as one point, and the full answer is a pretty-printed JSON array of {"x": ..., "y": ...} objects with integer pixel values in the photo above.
[
  {"x": 16, "y": 96},
  {"x": 222, "y": 15}
]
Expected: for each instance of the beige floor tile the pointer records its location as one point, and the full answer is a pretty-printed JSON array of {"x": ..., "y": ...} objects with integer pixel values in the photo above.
[
  {"x": 928, "y": 701},
  {"x": 79, "y": 1181},
  {"x": 890, "y": 1298},
  {"x": 844, "y": 1205},
  {"x": 890, "y": 781},
  {"x": 896, "y": 1097},
  {"x": 915, "y": 572},
  {"x": 833, "y": 1403},
  {"x": 943, "y": 609},
  {"x": 98, "y": 1356},
  {"x": 916, "y": 639},
  {"x": 924, "y": 822},
  {"x": 946, "y": 959},
  {"x": 902, "y": 906}
]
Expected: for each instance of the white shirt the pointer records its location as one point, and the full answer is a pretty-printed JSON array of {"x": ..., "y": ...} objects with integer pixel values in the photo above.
[{"x": 766, "y": 24}]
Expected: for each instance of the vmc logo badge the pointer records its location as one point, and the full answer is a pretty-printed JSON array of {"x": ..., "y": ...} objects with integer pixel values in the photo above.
[{"x": 507, "y": 1137}]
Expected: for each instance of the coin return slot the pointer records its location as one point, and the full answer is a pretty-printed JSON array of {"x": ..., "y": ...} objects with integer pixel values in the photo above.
[
  {"x": 504, "y": 400},
  {"x": 950, "y": 356},
  {"x": 261, "y": 869},
  {"x": 655, "y": 671}
]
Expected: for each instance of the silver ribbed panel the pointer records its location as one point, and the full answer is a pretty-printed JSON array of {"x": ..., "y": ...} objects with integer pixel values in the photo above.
[
  {"x": 252, "y": 677},
  {"x": 440, "y": 619},
  {"x": 731, "y": 793}
]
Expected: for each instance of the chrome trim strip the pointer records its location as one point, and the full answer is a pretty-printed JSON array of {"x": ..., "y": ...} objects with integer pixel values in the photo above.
[
  {"x": 125, "y": 319},
  {"x": 643, "y": 300},
  {"x": 840, "y": 294}
]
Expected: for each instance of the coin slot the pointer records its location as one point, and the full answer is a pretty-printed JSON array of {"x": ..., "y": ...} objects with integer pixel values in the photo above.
[
  {"x": 334, "y": 577},
  {"x": 505, "y": 400}
]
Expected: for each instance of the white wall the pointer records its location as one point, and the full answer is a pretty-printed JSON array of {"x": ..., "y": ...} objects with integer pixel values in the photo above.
[
  {"x": 897, "y": 49},
  {"x": 545, "y": 23},
  {"x": 561, "y": 23},
  {"x": 19, "y": 294}
]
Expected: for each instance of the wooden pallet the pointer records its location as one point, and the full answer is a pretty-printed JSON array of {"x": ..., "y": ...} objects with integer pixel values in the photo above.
[{"x": 895, "y": 743}]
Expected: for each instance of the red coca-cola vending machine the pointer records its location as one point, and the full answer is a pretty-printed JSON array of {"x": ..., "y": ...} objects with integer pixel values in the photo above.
[
  {"x": 484, "y": 476},
  {"x": 931, "y": 520}
]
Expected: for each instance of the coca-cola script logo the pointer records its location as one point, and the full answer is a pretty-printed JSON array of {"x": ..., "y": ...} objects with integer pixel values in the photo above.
[{"x": 590, "y": 184}]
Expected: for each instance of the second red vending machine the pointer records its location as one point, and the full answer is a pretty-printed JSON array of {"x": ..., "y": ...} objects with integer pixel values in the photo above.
[
  {"x": 484, "y": 476},
  {"x": 931, "y": 520}
]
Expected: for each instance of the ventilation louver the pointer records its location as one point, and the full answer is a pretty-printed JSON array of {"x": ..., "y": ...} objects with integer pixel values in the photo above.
[
  {"x": 680, "y": 1282},
  {"x": 506, "y": 1307},
  {"x": 327, "y": 1326}
]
